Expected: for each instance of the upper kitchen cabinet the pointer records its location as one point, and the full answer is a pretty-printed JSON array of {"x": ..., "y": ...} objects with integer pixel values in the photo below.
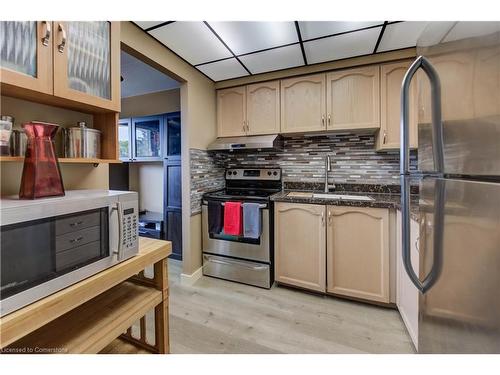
[
  {"x": 263, "y": 108},
  {"x": 358, "y": 252},
  {"x": 391, "y": 78},
  {"x": 458, "y": 92},
  {"x": 87, "y": 62},
  {"x": 303, "y": 104},
  {"x": 141, "y": 138},
  {"x": 72, "y": 64},
  {"x": 231, "y": 112},
  {"x": 353, "y": 99},
  {"x": 26, "y": 56}
]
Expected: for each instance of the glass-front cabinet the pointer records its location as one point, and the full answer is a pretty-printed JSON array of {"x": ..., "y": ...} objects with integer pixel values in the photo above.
[
  {"x": 140, "y": 139},
  {"x": 87, "y": 62},
  {"x": 71, "y": 61},
  {"x": 26, "y": 55}
]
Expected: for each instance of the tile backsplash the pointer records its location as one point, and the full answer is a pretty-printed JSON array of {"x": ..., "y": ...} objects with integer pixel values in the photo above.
[
  {"x": 353, "y": 159},
  {"x": 302, "y": 159}
]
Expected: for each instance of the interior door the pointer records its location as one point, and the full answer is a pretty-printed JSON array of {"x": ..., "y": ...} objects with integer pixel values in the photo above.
[
  {"x": 353, "y": 98},
  {"x": 172, "y": 175},
  {"x": 87, "y": 62},
  {"x": 303, "y": 104},
  {"x": 26, "y": 55}
]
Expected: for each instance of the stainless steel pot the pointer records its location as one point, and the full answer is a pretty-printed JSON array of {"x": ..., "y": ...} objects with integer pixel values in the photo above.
[
  {"x": 82, "y": 142},
  {"x": 18, "y": 143}
]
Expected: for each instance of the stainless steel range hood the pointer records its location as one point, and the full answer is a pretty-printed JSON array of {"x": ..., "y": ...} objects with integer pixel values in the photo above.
[{"x": 260, "y": 142}]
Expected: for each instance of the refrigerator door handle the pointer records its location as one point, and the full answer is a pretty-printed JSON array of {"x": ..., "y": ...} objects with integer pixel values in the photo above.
[{"x": 438, "y": 153}]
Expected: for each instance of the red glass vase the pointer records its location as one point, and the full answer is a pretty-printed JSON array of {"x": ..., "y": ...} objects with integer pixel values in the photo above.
[{"x": 41, "y": 173}]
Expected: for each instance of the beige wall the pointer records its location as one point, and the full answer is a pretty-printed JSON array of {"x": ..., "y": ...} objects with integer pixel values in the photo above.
[
  {"x": 75, "y": 176},
  {"x": 151, "y": 104},
  {"x": 147, "y": 180},
  {"x": 197, "y": 117}
]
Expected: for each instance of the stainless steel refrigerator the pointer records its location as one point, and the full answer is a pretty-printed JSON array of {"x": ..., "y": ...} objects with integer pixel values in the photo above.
[{"x": 457, "y": 73}]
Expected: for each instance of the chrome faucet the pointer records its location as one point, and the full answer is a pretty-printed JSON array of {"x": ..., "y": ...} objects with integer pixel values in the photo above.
[{"x": 328, "y": 168}]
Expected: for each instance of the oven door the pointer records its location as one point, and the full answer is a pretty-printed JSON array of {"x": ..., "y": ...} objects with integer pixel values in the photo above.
[{"x": 258, "y": 250}]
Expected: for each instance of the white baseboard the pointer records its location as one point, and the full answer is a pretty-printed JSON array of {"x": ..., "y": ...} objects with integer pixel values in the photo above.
[{"x": 191, "y": 279}]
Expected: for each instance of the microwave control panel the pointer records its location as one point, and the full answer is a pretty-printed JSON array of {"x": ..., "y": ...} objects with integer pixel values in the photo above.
[{"x": 129, "y": 225}]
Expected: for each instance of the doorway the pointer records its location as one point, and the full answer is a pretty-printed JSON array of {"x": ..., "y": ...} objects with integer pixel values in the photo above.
[{"x": 150, "y": 149}]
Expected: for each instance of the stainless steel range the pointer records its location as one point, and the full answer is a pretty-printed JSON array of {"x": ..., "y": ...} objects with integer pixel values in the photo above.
[{"x": 237, "y": 258}]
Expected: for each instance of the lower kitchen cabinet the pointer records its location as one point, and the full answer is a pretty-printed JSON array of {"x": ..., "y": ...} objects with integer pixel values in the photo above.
[
  {"x": 300, "y": 245},
  {"x": 407, "y": 294},
  {"x": 358, "y": 252}
]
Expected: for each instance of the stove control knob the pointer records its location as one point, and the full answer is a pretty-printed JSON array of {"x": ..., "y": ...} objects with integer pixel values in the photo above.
[
  {"x": 275, "y": 173},
  {"x": 269, "y": 173}
]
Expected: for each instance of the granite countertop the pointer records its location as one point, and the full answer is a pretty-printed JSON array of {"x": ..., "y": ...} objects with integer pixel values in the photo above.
[{"x": 380, "y": 199}]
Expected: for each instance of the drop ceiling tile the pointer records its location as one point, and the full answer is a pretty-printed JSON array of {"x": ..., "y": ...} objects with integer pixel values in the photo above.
[
  {"x": 194, "y": 41},
  {"x": 225, "y": 69},
  {"x": 471, "y": 29},
  {"x": 274, "y": 59},
  {"x": 315, "y": 29},
  {"x": 342, "y": 46},
  {"x": 401, "y": 35},
  {"x": 147, "y": 24},
  {"x": 244, "y": 36}
]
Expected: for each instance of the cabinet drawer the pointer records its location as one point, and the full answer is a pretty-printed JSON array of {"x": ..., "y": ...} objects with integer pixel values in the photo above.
[
  {"x": 77, "y": 255},
  {"x": 79, "y": 238},
  {"x": 77, "y": 222}
]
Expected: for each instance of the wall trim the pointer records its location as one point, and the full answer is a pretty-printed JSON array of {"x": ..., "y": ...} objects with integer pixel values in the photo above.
[{"x": 191, "y": 279}]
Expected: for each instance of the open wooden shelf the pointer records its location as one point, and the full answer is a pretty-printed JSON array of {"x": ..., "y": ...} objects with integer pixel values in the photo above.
[
  {"x": 26, "y": 320},
  {"x": 92, "y": 326},
  {"x": 64, "y": 160}
]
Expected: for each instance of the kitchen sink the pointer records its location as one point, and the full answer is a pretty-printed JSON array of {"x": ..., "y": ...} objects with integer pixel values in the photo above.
[{"x": 342, "y": 197}]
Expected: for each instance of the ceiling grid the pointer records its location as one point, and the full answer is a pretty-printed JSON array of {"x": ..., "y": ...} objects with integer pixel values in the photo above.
[{"x": 232, "y": 49}]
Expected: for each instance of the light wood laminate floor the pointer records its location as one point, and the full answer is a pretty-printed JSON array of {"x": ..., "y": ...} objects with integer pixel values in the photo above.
[{"x": 218, "y": 316}]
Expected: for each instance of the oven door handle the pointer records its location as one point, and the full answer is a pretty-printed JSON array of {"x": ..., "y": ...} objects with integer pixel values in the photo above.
[
  {"x": 229, "y": 263},
  {"x": 262, "y": 206}
]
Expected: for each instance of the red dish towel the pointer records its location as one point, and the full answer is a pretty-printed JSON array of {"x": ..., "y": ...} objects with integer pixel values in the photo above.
[{"x": 232, "y": 218}]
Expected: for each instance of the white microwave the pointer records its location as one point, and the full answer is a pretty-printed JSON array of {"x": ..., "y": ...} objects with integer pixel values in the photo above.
[{"x": 51, "y": 243}]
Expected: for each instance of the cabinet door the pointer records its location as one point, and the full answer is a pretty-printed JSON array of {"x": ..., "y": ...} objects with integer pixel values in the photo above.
[
  {"x": 300, "y": 245},
  {"x": 263, "y": 108},
  {"x": 231, "y": 112},
  {"x": 353, "y": 99},
  {"x": 391, "y": 77},
  {"x": 456, "y": 73},
  {"x": 303, "y": 104},
  {"x": 26, "y": 55},
  {"x": 87, "y": 62},
  {"x": 124, "y": 137},
  {"x": 147, "y": 134},
  {"x": 358, "y": 252},
  {"x": 406, "y": 292}
]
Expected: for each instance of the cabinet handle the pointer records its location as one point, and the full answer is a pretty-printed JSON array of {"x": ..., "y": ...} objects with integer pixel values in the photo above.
[
  {"x": 329, "y": 217},
  {"x": 323, "y": 120},
  {"x": 244, "y": 127},
  {"x": 417, "y": 242},
  {"x": 385, "y": 136},
  {"x": 78, "y": 239},
  {"x": 329, "y": 119},
  {"x": 322, "y": 218},
  {"x": 61, "y": 46},
  {"x": 46, "y": 37},
  {"x": 248, "y": 125}
]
